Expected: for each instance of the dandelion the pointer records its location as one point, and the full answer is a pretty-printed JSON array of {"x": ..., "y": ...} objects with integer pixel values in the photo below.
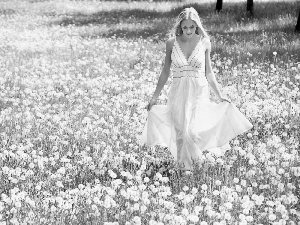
[
  {"x": 227, "y": 216},
  {"x": 244, "y": 183},
  {"x": 143, "y": 209},
  {"x": 249, "y": 219},
  {"x": 218, "y": 182},
  {"x": 194, "y": 191},
  {"x": 204, "y": 187},
  {"x": 184, "y": 212},
  {"x": 18, "y": 204},
  {"x": 193, "y": 218},
  {"x": 185, "y": 188},
  {"x": 272, "y": 217},
  {"x": 216, "y": 192},
  {"x": 238, "y": 188},
  {"x": 228, "y": 205},
  {"x": 242, "y": 217},
  {"x": 136, "y": 206},
  {"x": 14, "y": 221},
  {"x": 197, "y": 209},
  {"x": 236, "y": 180},
  {"x": 112, "y": 174},
  {"x": 137, "y": 220},
  {"x": 59, "y": 184},
  {"x": 53, "y": 208}
]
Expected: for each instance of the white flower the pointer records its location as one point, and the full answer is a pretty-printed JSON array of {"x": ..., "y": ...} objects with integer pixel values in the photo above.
[
  {"x": 228, "y": 205},
  {"x": 158, "y": 176},
  {"x": 136, "y": 206},
  {"x": 242, "y": 217},
  {"x": 193, "y": 218},
  {"x": 61, "y": 170},
  {"x": 249, "y": 218},
  {"x": 272, "y": 217},
  {"x": 112, "y": 174},
  {"x": 227, "y": 216},
  {"x": 165, "y": 180},
  {"x": 238, "y": 188},
  {"x": 59, "y": 184},
  {"x": 184, "y": 212},
  {"x": 18, "y": 204},
  {"x": 210, "y": 213},
  {"x": 218, "y": 183},
  {"x": 38, "y": 187},
  {"x": 13, "y": 221},
  {"x": 137, "y": 220},
  {"x": 94, "y": 207},
  {"x": 244, "y": 183},
  {"x": 216, "y": 192},
  {"x": 185, "y": 188},
  {"x": 106, "y": 202},
  {"x": 281, "y": 171},
  {"x": 53, "y": 208},
  {"x": 197, "y": 209},
  {"x": 143, "y": 208}
]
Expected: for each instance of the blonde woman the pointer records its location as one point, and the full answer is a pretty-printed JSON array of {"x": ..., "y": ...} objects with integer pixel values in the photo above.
[{"x": 190, "y": 124}]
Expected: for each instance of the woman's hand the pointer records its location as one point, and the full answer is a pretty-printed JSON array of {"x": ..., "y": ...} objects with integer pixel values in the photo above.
[
  {"x": 222, "y": 99},
  {"x": 151, "y": 103}
]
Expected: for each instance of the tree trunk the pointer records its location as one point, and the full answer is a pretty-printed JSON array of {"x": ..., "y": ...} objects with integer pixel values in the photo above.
[
  {"x": 219, "y": 5},
  {"x": 297, "y": 28},
  {"x": 250, "y": 7}
]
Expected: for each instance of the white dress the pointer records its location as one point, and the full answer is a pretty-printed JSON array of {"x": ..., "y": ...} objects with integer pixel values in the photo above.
[{"x": 190, "y": 124}]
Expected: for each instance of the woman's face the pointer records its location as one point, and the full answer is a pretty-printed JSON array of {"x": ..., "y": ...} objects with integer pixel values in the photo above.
[{"x": 188, "y": 27}]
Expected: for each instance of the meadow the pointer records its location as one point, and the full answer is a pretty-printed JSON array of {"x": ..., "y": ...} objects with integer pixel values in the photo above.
[{"x": 75, "y": 77}]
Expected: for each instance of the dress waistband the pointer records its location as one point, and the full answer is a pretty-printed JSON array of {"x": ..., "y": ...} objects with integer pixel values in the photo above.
[
  {"x": 186, "y": 68},
  {"x": 187, "y": 71}
]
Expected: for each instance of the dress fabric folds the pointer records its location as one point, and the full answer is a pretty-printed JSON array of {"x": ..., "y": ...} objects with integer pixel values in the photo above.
[{"x": 190, "y": 123}]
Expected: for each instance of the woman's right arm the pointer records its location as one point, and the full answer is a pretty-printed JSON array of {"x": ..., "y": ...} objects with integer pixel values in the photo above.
[{"x": 165, "y": 73}]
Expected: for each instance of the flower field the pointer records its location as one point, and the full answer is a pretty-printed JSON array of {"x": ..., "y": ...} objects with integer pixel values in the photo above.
[{"x": 75, "y": 77}]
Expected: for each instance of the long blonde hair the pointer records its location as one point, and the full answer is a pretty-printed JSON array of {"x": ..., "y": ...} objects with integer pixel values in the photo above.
[{"x": 188, "y": 13}]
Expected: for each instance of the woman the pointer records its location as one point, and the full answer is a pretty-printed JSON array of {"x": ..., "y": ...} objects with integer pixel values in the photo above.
[{"x": 190, "y": 124}]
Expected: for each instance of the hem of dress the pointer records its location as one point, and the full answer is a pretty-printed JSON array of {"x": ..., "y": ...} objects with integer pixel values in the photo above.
[
  {"x": 207, "y": 149},
  {"x": 219, "y": 146},
  {"x": 152, "y": 145}
]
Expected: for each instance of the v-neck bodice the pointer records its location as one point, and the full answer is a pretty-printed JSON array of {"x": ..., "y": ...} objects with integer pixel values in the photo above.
[
  {"x": 193, "y": 66},
  {"x": 187, "y": 58}
]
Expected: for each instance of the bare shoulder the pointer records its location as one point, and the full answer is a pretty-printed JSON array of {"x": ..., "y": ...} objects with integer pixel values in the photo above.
[
  {"x": 170, "y": 43},
  {"x": 206, "y": 43}
]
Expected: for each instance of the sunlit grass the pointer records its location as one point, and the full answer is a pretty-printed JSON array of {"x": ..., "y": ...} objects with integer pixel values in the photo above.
[{"x": 75, "y": 77}]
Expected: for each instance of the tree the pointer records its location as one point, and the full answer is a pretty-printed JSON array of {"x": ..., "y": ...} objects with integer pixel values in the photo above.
[
  {"x": 297, "y": 28},
  {"x": 219, "y": 5},
  {"x": 250, "y": 7}
]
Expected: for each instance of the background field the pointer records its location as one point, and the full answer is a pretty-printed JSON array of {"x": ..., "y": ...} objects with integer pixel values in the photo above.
[{"x": 75, "y": 77}]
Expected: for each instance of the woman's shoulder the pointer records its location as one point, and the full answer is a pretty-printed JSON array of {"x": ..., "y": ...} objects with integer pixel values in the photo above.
[
  {"x": 170, "y": 43},
  {"x": 206, "y": 42}
]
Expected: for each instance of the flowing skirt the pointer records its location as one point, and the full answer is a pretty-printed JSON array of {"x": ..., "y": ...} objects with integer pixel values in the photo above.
[{"x": 190, "y": 123}]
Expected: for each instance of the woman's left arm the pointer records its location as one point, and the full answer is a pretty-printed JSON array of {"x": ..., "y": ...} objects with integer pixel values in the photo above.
[{"x": 211, "y": 78}]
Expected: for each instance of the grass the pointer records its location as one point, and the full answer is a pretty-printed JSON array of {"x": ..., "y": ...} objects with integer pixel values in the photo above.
[{"x": 75, "y": 78}]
